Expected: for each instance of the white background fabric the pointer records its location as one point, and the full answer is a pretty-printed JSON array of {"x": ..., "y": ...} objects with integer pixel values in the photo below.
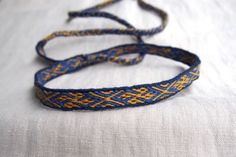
[{"x": 200, "y": 121}]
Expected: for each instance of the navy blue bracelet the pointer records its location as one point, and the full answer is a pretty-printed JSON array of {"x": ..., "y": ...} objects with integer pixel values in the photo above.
[{"x": 107, "y": 98}]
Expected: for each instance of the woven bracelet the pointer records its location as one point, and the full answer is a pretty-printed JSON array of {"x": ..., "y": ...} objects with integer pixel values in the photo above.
[{"x": 107, "y": 98}]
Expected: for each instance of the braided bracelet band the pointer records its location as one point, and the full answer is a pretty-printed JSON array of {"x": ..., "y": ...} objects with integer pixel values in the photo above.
[{"x": 107, "y": 98}]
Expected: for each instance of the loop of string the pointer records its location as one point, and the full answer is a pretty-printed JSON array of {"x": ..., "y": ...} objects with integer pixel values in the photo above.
[{"x": 130, "y": 30}]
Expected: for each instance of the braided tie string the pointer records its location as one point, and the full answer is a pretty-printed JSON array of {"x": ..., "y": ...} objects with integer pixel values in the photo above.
[{"x": 129, "y": 30}]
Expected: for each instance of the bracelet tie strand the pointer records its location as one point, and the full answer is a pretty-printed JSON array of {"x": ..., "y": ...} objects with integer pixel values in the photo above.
[{"x": 94, "y": 12}]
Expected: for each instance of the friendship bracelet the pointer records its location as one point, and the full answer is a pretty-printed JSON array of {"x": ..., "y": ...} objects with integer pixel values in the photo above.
[
  {"x": 93, "y": 12},
  {"x": 118, "y": 97}
]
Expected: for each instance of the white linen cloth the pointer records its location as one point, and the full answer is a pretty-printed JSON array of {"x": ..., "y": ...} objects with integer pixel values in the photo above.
[{"x": 200, "y": 121}]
